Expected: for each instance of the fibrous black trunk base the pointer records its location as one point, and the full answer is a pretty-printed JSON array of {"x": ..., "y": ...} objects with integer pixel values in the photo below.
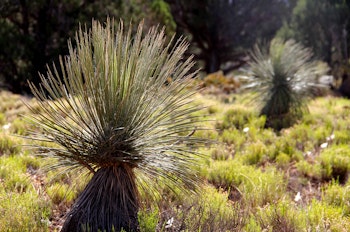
[{"x": 108, "y": 203}]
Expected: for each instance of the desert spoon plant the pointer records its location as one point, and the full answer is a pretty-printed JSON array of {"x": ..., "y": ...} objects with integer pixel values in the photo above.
[
  {"x": 285, "y": 75},
  {"x": 111, "y": 113}
]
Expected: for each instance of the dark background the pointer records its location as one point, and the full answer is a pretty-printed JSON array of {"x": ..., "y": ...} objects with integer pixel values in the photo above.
[{"x": 33, "y": 33}]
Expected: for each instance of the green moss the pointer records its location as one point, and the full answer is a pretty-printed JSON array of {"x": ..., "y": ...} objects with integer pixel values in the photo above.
[{"x": 258, "y": 122}]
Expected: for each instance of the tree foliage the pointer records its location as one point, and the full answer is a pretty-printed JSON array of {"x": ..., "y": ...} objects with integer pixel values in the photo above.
[
  {"x": 322, "y": 25},
  {"x": 111, "y": 113},
  {"x": 34, "y": 32},
  {"x": 220, "y": 31}
]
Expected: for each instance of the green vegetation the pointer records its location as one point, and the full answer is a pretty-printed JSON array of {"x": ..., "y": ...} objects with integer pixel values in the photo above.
[
  {"x": 110, "y": 115},
  {"x": 284, "y": 75},
  {"x": 30, "y": 27},
  {"x": 297, "y": 180},
  {"x": 276, "y": 162},
  {"x": 320, "y": 25}
]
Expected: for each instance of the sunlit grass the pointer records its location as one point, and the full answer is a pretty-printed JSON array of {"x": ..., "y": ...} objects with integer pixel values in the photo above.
[{"x": 253, "y": 175}]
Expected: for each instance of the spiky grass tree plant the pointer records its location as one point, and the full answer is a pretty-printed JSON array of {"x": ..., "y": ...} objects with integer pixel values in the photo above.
[
  {"x": 110, "y": 112},
  {"x": 285, "y": 75}
]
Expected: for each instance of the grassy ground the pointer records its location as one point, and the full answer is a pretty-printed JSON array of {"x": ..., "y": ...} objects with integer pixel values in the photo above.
[{"x": 254, "y": 179}]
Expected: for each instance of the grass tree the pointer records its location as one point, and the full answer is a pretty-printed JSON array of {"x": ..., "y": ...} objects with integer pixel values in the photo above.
[
  {"x": 285, "y": 75},
  {"x": 108, "y": 109}
]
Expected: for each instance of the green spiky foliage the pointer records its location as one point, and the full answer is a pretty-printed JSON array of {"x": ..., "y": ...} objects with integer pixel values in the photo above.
[
  {"x": 111, "y": 113},
  {"x": 285, "y": 75}
]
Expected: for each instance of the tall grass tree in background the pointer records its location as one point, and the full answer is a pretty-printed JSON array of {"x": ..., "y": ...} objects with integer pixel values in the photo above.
[
  {"x": 284, "y": 76},
  {"x": 111, "y": 114}
]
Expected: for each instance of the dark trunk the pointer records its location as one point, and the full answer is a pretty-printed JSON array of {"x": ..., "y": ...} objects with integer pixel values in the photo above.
[
  {"x": 213, "y": 62},
  {"x": 108, "y": 203}
]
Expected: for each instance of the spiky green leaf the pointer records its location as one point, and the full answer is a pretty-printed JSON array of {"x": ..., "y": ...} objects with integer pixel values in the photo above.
[{"x": 107, "y": 104}]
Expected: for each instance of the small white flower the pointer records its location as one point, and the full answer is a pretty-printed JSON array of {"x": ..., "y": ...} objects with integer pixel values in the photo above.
[
  {"x": 330, "y": 138},
  {"x": 6, "y": 126},
  {"x": 324, "y": 145},
  {"x": 46, "y": 221},
  {"x": 297, "y": 197},
  {"x": 169, "y": 223},
  {"x": 245, "y": 129},
  {"x": 308, "y": 153}
]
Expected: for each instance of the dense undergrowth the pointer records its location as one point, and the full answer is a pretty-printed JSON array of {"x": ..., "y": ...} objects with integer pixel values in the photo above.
[{"x": 256, "y": 179}]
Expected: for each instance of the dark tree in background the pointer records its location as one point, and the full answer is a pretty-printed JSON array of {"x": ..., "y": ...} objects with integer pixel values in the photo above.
[
  {"x": 322, "y": 25},
  {"x": 34, "y": 32},
  {"x": 221, "y": 31}
]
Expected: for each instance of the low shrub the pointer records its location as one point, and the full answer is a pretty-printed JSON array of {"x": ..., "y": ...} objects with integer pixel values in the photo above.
[
  {"x": 19, "y": 127},
  {"x": 325, "y": 217},
  {"x": 2, "y": 119},
  {"x": 220, "y": 153},
  {"x": 254, "y": 153},
  {"x": 234, "y": 137},
  {"x": 310, "y": 170},
  {"x": 210, "y": 210},
  {"x": 237, "y": 118},
  {"x": 217, "y": 82},
  {"x": 341, "y": 136},
  {"x": 13, "y": 174},
  {"x": 9, "y": 145},
  {"x": 60, "y": 193},
  {"x": 24, "y": 211},
  {"x": 257, "y": 188},
  {"x": 335, "y": 162},
  {"x": 213, "y": 109},
  {"x": 282, "y": 160},
  {"x": 281, "y": 216},
  {"x": 284, "y": 145},
  {"x": 339, "y": 196},
  {"x": 148, "y": 219}
]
